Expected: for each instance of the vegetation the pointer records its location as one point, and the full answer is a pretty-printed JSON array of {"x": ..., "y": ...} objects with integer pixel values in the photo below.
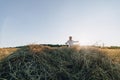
[
  {"x": 4, "y": 52},
  {"x": 35, "y": 62},
  {"x": 114, "y": 54}
]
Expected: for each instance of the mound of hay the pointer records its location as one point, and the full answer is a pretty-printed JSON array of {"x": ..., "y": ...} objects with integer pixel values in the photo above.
[{"x": 45, "y": 63}]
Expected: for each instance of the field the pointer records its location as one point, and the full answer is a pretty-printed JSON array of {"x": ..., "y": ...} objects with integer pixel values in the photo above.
[
  {"x": 114, "y": 54},
  {"x": 36, "y": 62}
]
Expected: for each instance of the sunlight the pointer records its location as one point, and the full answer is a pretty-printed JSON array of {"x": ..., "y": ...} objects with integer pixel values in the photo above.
[
  {"x": 85, "y": 42},
  {"x": 84, "y": 39}
]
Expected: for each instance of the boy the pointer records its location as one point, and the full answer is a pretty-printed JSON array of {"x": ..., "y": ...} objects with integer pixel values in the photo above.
[{"x": 70, "y": 42}]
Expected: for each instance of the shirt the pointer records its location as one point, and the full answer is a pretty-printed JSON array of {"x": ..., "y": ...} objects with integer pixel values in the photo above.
[{"x": 70, "y": 42}]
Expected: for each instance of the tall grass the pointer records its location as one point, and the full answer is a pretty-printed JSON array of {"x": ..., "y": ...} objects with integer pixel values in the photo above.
[
  {"x": 4, "y": 52},
  {"x": 36, "y": 62},
  {"x": 114, "y": 54}
]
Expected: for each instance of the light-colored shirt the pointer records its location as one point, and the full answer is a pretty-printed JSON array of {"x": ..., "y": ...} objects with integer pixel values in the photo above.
[{"x": 71, "y": 42}]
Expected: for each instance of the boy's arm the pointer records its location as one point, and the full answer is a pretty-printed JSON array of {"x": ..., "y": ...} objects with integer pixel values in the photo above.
[{"x": 75, "y": 41}]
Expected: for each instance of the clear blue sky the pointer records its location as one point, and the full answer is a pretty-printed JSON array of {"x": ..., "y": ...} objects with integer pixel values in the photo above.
[{"x": 52, "y": 21}]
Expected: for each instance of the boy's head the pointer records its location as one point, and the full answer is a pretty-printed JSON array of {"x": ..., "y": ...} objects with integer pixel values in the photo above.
[{"x": 70, "y": 37}]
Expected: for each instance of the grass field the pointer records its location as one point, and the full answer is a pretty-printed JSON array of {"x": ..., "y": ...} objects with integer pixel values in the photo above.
[
  {"x": 114, "y": 54},
  {"x": 4, "y": 52},
  {"x": 35, "y": 62}
]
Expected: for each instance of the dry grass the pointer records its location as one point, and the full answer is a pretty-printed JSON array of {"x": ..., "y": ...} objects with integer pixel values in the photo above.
[
  {"x": 4, "y": 52},
  {"x": 114, "y": 54},
  {"x": 36, "y": 62}
]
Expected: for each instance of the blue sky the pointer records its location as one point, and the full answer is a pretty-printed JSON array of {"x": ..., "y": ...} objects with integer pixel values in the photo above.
[{"x": 52, "y": 21}]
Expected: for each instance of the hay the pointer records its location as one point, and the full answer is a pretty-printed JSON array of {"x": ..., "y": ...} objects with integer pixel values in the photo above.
[{"x": 45, "y": 63}]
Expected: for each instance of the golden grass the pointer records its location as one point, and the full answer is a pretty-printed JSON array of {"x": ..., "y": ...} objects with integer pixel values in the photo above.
[
  {"x": 114, "y": 54},
  {"x": 4, "y": 52}
]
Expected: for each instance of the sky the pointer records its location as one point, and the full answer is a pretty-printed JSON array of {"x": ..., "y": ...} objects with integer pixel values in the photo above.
[{"x": 25, "y": 22}]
